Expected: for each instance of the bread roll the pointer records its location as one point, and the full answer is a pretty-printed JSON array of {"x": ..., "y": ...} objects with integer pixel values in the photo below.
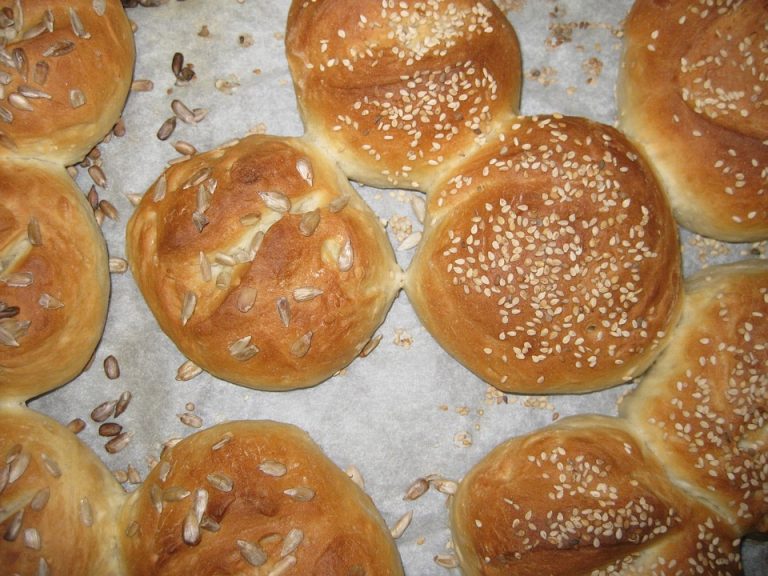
[
  {"x": 66, "y": 69},
  {"x": 262, "y": 263},
  {"x": 254, "y": 497},
  {"x": 692, "y": 96},
  {"x": 54, "y": 279},
  {"x": 399, "y": 91},
  {"x": 583, "y": 497},
  {"x": 702, "y": 407},
  {"x": 58, "y": 503},
  {"x": 550, "y": 260}
]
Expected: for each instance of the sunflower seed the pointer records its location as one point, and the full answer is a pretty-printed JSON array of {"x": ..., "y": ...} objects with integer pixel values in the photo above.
[
  {"x": 282, "y": 566},
  {"x": 272, "y": 468},
  {"x": 182, "y": 112},
  {"x": 160, "y": 189},
  {"x": 19, "y": 102},
  {"x": 198, "y": 177},
  {"x": 59, "y": 48},
  {"x": 309, "y": 222},
  {"x": 301, "y": 346},
  {"x": 356, "y": 477},
  {"x": 133, "y": 475},
  {"x": 156, "y": 496},
  {"x": 200, "y": 504},
  {"x": 97, "y": 175},
  {"x": 49, "y": 302},
  {"x": 246, "y": 298},
  {"x": 255, "y": 245},
  {"x": 284, "y": 310},
  {"x": 163, "y": 469},
  {"x": 205, "y": 267},
  {"x": 76, "y": 426},
  {"x": 304, "y": 168},
  {"x": 200, "y": 220},
  {"x": 191, "y": 528},
  {"x": 118, "y": 265},
  {"x": 103, "y": 411},
  {"x": 167, "y": 128},
  {"x": 410, "y": 241},
  {"x": 276, "y": 201},
  {"x": 6, "y": 115},
  {"x": 40, "y": 499},
  {"x": 111, "y": 368},
  {"x": 187, "y": 371},
  {"x": 175, "y": 494},
  {"x": 292, "y": 541},
  {"x": 346, "y": 257},
  {"x": 177, "y": 63},
  {"x": 224, "y": 259},
  {"x": 32, "y": 538},
  {"x": 199, "y": 114},
  {"x": 242, "y": 349},
  {"x": 252, "y": 553},
  {"x": 76, "y": 98},
  {"x": 34, "y": 93},
  {"x": 14, "y": 526},
  {"x": 77, "y": 24},
  {"x": 7, "y": 338},
  {"x": 443, "y": 485},
  {"x": 209, "y": 524},
  {"x": 339, "y": 203},
  {"x": 35, "y": 31},
  {"x": 4, "y": 473},
  {"x": 225, "y": 439},
  {"x": 122, "y": 403},
  {"x": 19, "y": 280},
  {"x": 142, "y": 85},
  {"x": 306, "y": 293},
  {"x": 370, "y": 346},
  {"x": 34, "y": 235},
  {"x": 191, "y": 420},
  {"x": 188, "y": 307},
  {"x": 110, "y": 429},
  {"x": 183, "y": 147},
  {"x": 419, "y": 207},
  {"x": 221, "y": 482},
  {"x": 5, "y": 78},
  {"x": 118, "y": 443},
  {"x": 40, "y": 73},
  {"x": 446, "y": 561},
  {"x": 86, "y": 512},
  {"x": 132, "y": 529},
  {"x": 401, "y": 525},
  {"x": 20, "y": 62},
  {"x": 49, "y": 20},
  {"x": 100, "y": 7},
  {"x": 18, "y": 466},
  {"x": 223, "y": 279},
  {"x": 300, "y": 494},
  {"x": 417, "y": 489},
  {"x": 50, "y": 465}
]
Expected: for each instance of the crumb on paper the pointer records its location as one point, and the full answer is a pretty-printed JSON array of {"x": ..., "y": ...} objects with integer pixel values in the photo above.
[
  {"x": 204, "y": 31},
  {"x": 228, "y": 84},
  {"x": 706, "y": 248},
  {"x": 443, "y": 407},
  {"x": 571, "y": 90},
  {"x": 402, "y": 338},
  {"x": 593, "y": 68},
  {"x": 462, "y": 410},
  {"x": 401, "y": 227},
  {"x": 260, "y": 128},
  {"x": 545, "y": 76},
  {"x": 257, "y": 71},
  {"x": 511, "y": 5},
  {"x": 462, "y": 439},
  {"x": 538, "y": 403},
  {"x": 495, "y": 396},
  {"x": 245, "y": 40},
  {"x": 279, "y": 36}
]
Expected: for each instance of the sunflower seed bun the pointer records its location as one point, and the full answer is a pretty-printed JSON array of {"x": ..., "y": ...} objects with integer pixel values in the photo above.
[
  {"x": 66, "y": 69},
  {"x": 702, "y": 407},
  {"x": 256, "y": 497},
  {"x": 580, "y": 497},
  {"x": 54, "y": 279},
  {"x": 550, "y": 260},
  {"x": 692, "y": 96},
  {"x": 58, "y": 502},
  {"x": 262, "y": 263},
  {"x": 397, "y": 92}
]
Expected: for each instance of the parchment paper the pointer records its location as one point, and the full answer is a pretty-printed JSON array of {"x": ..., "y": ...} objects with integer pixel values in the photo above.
[{"x": 406, "y": 411}]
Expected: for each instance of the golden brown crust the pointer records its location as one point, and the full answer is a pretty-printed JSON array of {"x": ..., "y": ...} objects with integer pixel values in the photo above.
[
  {"x": 703, "y": 405},
  {"x": 58, "y": 502},
  {"x": 282, "y": 299},
  {"x": 691, "y": 95},
  {"x": 267, "y": 496},
  {"x": 550, "y": 260},
  {"x": 87, "y": 57},
  {"x": 54, "y": 279},
  {"x": 398, "y": 91},
  {"x": 580, "y": 497}
]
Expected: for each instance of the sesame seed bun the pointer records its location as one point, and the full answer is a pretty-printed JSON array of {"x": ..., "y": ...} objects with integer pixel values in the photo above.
[
  {"x": 58, "y": 502},
  {"x": 581, "y": 497},
  {"x": 702, "y": 406},
  {"x": 550, "y": 260},
  {"x": 397, "y": 92},
  {"x": 691, "y": 95},
  {"x": 262, "y": 263},
  {"x": 69, "y": 66},
  {"x": 54, "y": 279},
  {"x": 253, "y": 497}
]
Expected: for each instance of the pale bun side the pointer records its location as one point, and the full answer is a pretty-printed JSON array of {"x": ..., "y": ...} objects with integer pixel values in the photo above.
[
  {"x": 581, "y": 497},
  {"x": 702, "y": 407},
  {"x": 398, "y": 92},
  {"x": 262, "y": 263},
  {"x": 550, "y": 260},
  {"x": 70, "y": 67},
  {"x": 54, "y": 279},
  {"x": 256, "y": 497},
  {"x": 58, "y": 502},
  {"x": 691, "y": 95}
]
